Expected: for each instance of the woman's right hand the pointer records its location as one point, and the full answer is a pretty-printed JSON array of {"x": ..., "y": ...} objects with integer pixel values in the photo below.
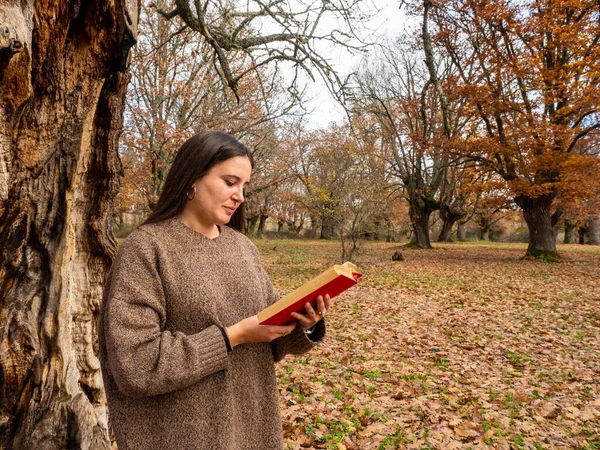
[{"x": 249, "y": 330}]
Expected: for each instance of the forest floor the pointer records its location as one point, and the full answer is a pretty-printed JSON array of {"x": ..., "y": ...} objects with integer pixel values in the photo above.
[{"x": 465, "y": 346}]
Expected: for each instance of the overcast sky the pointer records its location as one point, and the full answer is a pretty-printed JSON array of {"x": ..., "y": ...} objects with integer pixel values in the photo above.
[{"x": 390, "y": 21}]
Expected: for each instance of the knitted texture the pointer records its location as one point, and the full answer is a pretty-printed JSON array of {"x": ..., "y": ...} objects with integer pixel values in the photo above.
[{"x": 170, "y": 382}]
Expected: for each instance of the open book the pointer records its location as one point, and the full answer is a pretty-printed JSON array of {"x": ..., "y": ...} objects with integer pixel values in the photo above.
[{"x": 333, "y": 281}]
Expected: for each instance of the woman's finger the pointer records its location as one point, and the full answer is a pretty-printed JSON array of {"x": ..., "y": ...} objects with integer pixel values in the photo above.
[
  {"x": 327, "y": 301},
  {"x": 304, "y": 320},
  {"x": 321, "y": 308},
  {"x": 312, "y": 312}
]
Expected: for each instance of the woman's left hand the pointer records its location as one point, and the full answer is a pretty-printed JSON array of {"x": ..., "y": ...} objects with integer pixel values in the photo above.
[{"x": 313, "y": 315}]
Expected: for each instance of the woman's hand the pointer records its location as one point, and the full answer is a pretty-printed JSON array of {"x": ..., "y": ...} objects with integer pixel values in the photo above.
[
  {"x": 249, "y": 330},
  {"x": 311, "y": 317}
]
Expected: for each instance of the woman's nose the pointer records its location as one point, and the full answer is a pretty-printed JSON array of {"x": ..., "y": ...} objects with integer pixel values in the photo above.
[{"x": 239, "y": 195}]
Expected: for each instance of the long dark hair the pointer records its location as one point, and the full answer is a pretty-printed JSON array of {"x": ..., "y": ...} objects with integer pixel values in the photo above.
[{"x": 193, "y": 160}]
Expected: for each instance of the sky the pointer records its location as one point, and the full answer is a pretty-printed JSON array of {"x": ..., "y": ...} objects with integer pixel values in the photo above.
[{"x": 390, "y": 21}]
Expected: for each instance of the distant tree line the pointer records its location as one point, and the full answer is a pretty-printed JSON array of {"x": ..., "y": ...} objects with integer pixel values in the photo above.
[{"x": 468, "y": 117}]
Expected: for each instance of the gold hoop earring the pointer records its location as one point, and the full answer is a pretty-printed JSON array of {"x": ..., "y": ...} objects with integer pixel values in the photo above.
[{"x": 188, "y": 193}]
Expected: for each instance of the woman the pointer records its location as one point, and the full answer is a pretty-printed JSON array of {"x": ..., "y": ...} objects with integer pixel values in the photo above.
[{"x": 185, "y": 363}]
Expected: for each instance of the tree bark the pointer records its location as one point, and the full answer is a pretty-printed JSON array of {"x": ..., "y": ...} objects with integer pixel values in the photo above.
[
  {"x": 261, "y": 223},
  {"x": 446, "y": 231},
  {"x": 582, "y": 231},
  {"x": 461, "y": 234},
  {"x": 419, "y": 211},
  {"x": 538, "y": 215},
  {"x": 484, "y": 234},
  {"x": 327, "y": 228},
  {"x": 251, "y": 223},
  {"x": 569, "y": 232},
  {"x": 594, "y": 230},
  {"x": 314, "y": 226},
  {"x": 61, "y": 113},
  {"x": 449, "y": 217}
]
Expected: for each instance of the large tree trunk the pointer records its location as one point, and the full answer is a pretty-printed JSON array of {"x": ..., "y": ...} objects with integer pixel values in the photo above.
[
  {"x": 251, "y": 223},
  {"x": 538, "y": 215},
  {"x": 461, "y": 232},
  {"x": 446, "y": 231},
  {"x": 594, "y": 230},
  {"x": 569, "y": 232},
  {"x": 449, "y": 217},
  {"x": 60, "y": 117},
  {"x": 314, "y": 226},
  {"x": 419, "y": 212},
  {"x": 261, "y": 223},
  {"x": 327, "y": 228},
  {"x": 484, "y": 233},
  {"x": 582, "y": 231}
]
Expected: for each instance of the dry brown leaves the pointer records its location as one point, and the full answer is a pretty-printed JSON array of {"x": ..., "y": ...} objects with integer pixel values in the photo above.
[{"x": 464, "y": 346}]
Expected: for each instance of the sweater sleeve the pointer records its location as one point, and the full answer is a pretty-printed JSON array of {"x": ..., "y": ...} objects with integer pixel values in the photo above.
[
  {"x": 297, "y": 342},
  {"x": 144, "y": 358}
]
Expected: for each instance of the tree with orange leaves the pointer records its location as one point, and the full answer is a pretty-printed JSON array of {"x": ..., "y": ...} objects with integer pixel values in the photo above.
[{"x": 530, "y": 73}]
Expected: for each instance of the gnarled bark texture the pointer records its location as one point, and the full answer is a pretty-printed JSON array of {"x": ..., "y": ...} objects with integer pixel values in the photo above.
[
  {"x": 537, "y": 212},
  {"x": 449, "y": 216},
  {"x": 62, "y": 87},
  {"x": 419, "y": 211}
]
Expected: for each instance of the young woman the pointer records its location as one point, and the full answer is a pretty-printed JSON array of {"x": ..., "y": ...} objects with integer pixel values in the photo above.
[{"x": 185, "y": 363}]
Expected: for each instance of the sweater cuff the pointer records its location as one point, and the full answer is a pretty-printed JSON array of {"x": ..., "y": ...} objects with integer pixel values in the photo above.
[
  {"x": 211, "y": 350},
  {"x": 298, "y": 342},
  {"x": 301, "y": 342},
  {"x": 318, "y": 331}
]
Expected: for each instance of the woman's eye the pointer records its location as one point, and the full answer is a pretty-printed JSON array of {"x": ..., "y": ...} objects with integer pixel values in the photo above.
[{"x": 229, "y": 183}]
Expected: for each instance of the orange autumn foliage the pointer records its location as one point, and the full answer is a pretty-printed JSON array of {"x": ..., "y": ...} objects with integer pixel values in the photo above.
[{"x": 530, "y": 73}]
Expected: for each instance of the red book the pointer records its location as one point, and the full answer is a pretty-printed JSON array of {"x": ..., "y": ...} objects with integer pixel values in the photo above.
[{"x": 333, "y": 281}]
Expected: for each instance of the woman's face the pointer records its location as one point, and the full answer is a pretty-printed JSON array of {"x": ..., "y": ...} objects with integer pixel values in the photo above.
[{"x": 221, "y": 191}]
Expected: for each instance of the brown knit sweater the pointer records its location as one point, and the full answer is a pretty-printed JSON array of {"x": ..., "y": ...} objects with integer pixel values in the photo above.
[{"x": 170, "y": 382}]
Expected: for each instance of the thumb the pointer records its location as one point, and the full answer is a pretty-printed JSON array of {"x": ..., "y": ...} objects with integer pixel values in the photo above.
[{"x": 287, "y": 329}]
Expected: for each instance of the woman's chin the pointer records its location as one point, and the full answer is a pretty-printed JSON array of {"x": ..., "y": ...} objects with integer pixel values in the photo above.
[{"x": 224, "y": 220}]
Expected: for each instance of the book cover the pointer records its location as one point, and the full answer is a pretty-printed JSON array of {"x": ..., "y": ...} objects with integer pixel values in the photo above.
[{"x": 333, "y": 281}]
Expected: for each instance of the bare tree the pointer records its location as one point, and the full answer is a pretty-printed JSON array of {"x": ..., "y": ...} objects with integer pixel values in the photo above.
[
  {"x": 295, "y": 30},
  {"x": 174, "y": 94},
  {"x": 395, "y": 90}
]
